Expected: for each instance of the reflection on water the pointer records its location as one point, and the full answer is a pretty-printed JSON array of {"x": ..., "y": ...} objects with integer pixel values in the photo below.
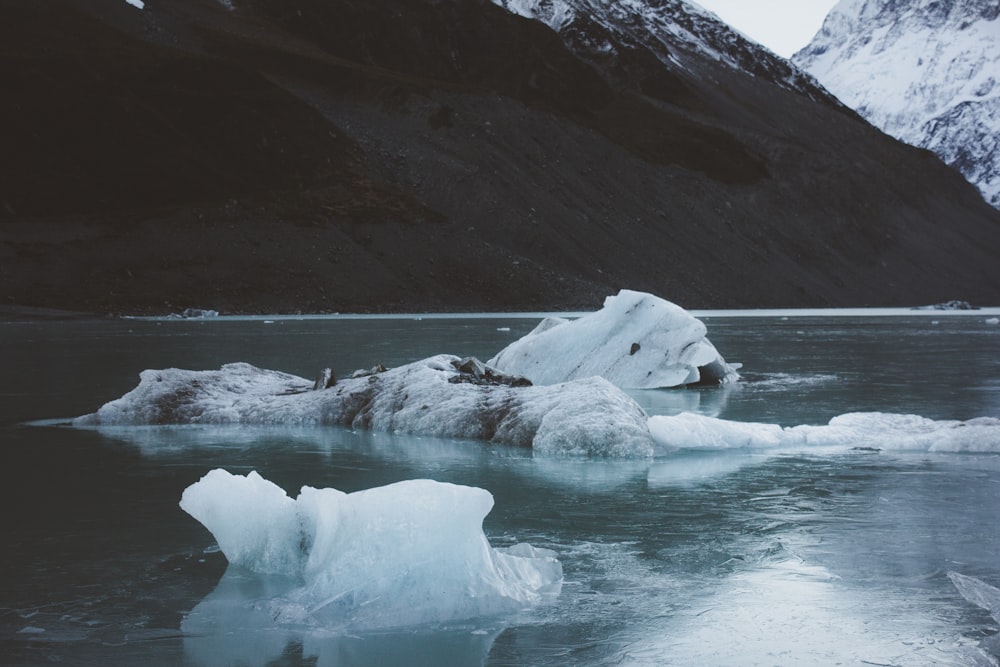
[
  {"x": 702, "y": 558},
  {"x": 235, "y": 624}
]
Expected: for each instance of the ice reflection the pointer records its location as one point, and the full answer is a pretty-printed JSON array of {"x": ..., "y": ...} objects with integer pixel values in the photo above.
[
  {"x": 155, "y": 441},
  {"x": 235, "y": 625},
  {"x": 693, "y": 468},
  {"x": 586, "y": 476}
]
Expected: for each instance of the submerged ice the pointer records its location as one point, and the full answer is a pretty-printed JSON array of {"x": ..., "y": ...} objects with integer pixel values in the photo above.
[
  {"x": 636, "y": 341},
  {"x": 406, "y": 554}
]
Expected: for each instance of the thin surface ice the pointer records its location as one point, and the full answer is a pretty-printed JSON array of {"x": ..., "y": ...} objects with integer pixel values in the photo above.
[
  {"x": 986, "y": 597},
  {"x": 431, "y": 397},
  {"x": 636, "y": 341},
  {"x": 407, "y": 554},
  {"x": 875, "y": 430}
]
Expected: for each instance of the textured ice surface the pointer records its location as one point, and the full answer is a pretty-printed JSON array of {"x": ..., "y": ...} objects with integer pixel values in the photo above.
[
  {"x": 429, "y": 397},
  {"x": 986, "y": 597},
  {"x": 876, "y": 430},
  {"x": 405, "y": 554},
  {"x": 636, "y": 341}
]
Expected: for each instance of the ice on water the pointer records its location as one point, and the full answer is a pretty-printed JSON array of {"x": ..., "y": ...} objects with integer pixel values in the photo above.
[
  {"x": 406, "y": 554},
  {"x": 636, "y": 341},
  {"x": 876, "y": 430},
  {"x": 429, "y": 397},
  {"x": 576, "y": 406},
  {"x": 588, "y": 417}
]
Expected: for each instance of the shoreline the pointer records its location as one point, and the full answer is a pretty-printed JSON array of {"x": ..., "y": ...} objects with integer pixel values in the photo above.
[{"x": 6, "y": 315}]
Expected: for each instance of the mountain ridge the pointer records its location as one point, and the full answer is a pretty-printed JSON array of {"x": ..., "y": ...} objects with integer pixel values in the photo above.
[{"x": 446, "y": 156}]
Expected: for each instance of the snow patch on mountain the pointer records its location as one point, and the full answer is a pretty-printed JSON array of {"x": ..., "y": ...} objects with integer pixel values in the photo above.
[{"x": 924, "y": 72}]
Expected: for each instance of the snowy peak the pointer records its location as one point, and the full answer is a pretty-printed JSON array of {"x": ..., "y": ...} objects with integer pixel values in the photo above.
[
  {"x": 924, "y": 72},
  {"x": 673, "y": 30}
]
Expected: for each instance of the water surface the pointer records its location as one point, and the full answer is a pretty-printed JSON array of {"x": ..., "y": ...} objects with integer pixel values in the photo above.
[{"x": 698, "y": 558}]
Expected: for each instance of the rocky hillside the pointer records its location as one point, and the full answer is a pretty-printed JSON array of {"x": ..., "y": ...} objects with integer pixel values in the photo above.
[
  {"x": 333, "y": 155},
  {"x": 927, "y": 73}
]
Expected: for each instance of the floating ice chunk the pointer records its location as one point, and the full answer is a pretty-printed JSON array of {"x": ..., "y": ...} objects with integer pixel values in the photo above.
[
  {"x": 198, "y": 313},
  {"x": 431, "y": 397},
  {"x": 905, "y": 432},
  {"x": 876, "y": 430},
  {"x": 954, "y": 304},
  {"x": 993, "y": 320},
  {"x": 692, "y": 431},
  {"x": 136, "y": 3},
  {"x": 405, "y": 554},
  {"x": 636, "y": 341},
  {"x": 255, "y": 526}
]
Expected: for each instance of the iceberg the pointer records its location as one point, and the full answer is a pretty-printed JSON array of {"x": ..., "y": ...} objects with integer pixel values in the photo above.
[
  {"x": 868, "y": 430},
  {"x": 636, "y": 341},
  {"x": 441, "y": 396},
  {"x": 407, "y": 554}
]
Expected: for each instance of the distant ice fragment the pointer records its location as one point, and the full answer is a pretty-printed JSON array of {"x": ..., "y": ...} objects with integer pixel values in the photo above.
[
  {"x": 636, "y": 341},
  {"x": 199, "y": 313},
  {"x": 954, "y": 304},
  {"x": 136, "y": 3},
  {"x": 443, "y": 396},
  {"x": 405, "y": 554},
  {"x": 194, "y": 314}
]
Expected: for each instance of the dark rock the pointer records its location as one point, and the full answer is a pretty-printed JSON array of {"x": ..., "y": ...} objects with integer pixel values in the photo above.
[
  {"x": 635, "y": 348},
  {"x": 472, "y": 371},
  {"x": 374, "y": 370},
  {"x": 325, "y": 380},
  {"x": 713, "y": 374}
]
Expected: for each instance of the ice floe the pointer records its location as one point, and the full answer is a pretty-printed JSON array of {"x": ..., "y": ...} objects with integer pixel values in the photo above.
[
  {"x": 874, "y": 430},
  {"x": 448, "y": 397},
  {"x": 440, "y": 396},
  {"x": 406, "y": 554},
  {"x": 636, "y": 341}
]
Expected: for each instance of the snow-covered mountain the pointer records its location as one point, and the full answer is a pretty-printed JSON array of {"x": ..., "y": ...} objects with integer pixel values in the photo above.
[
  {"x": 673, "y": 30},
  {"x": 925, "y": 72}
]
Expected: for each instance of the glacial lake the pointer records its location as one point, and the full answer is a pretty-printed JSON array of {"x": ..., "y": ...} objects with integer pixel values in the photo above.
[{"x": 789, "y": 556}]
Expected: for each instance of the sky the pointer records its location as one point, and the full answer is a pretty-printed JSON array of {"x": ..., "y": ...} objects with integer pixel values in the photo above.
[{"x": 784, "y": 26}]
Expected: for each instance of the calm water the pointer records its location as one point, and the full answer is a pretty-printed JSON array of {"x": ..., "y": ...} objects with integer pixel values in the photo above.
[{"x": 732, "y": 558}]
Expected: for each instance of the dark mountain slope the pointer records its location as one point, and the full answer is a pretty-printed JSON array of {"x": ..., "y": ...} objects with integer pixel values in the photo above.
[{"x": 409, "y": 155}]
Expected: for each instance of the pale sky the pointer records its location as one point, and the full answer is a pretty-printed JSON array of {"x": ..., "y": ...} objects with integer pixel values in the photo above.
[{"x": 784, "y": 26}]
